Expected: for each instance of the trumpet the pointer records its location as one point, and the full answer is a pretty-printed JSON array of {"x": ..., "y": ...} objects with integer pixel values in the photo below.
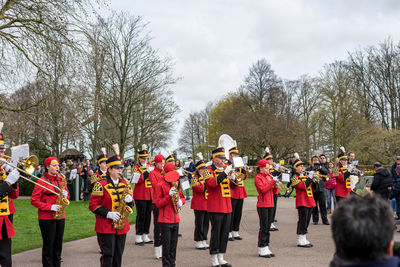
[
  {"x": 30, "y": 164},
  {"x": 282, "y": 169},
  {"x": 357, "y": 172},
  {"x": 317, "y": 176}
]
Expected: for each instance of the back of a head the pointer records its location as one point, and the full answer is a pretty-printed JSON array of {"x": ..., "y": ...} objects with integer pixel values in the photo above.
[{"x": 362, "y": 228}]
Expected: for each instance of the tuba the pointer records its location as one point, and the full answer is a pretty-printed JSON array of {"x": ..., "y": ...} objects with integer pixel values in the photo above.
[
  {"x": 123, "y": 209},
  {"x": 61, "y": 200}
]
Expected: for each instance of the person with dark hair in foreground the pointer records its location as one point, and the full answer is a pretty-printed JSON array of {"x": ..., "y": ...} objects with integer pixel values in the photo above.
[{"x": 363, "y": 230}]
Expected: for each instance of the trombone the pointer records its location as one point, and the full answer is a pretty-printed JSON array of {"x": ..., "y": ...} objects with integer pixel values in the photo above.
[{"x": 30, "y": 164}]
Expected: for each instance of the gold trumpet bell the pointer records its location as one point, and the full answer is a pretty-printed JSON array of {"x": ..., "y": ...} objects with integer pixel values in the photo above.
[{"x": 30, "y": 164}]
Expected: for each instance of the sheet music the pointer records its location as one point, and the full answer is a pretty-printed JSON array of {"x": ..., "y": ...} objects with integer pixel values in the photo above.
[
  {"x": 285, "y": 177},
  {"x": 19, "y": 153}
]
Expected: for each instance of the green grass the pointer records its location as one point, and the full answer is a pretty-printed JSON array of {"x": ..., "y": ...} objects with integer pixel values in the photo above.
[
  {"x": 252, "y": 191},
  {"x": 79, "y": 224}
]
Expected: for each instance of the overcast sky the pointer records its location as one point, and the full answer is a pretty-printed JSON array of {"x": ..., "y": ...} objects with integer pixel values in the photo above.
[{"x": 214, "y": 42}]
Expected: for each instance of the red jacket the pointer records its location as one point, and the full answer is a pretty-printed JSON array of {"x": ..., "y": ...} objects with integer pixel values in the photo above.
[
  {"x": 239, "y": 192},
  {"x": 105, "y": 198},
  {"x": 7, "y": 207},
  {"x": 200, "y": 194},
  {"x": 304, "y": 194},
  {"x": 143, "y": 187},
  {"x": 331, "y": 182},
  {"x": 342, "y": 188},
  {"x": 219, "y": 195},
  {"x": 155, "y": 177},
  {"x": 43, "y": 199},
  {"x": 274, "y": 172},
  {"x": 265, "y": 187},
  {"x": 164, "y": 203}
]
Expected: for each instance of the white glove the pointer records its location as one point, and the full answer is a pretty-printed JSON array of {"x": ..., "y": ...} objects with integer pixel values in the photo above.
[
  {"x": 55, "y": 207},
  {"x": 2, "y": 160},
  {"x": 275, "y": 178},
  {"x": 65, "y": 193},
  {"x": 12, "y": 177},
  {"x": 228, "y": 169},
  {"x": 172, "y": 191},
  {"x": 128, "y": 199},
  {"x": 150, "y": 169},
  {"x": 277, "y": 166},
  {"x": 232, "y": 177},
  {"x": 7, "y": 168},
  {"x": 113, "y": 215},
  {"x": 179, "y": 203},
  {"x": 311, "y": 174}
]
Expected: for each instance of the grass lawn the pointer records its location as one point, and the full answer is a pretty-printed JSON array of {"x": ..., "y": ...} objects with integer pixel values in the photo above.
[
  {"x": 79, "y": 224},
  {"x": 252, "y": 191}
]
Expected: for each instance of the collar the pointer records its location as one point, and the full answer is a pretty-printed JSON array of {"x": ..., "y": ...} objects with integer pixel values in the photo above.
[{"x": 51, "y": 177}]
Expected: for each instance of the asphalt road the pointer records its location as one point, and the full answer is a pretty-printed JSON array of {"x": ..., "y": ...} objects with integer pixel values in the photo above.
[{"x": 84, "y": 252}]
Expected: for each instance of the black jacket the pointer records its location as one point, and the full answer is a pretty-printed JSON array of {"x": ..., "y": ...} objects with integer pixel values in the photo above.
[
  {"x": 320, "y": 186},
  {"x": 382, "y": 180}
]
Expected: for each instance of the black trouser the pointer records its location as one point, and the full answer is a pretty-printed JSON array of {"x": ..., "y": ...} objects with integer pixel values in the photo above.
[
  {"x": 237, "y": 207},
  {"x": 143, "y": 216},
  {"x": 169, "y": 237},
  {"x": 338, "y": 199},
  {"x": 5, "y": 245},
  {"x": 52, "y": 235},
  {"x": 201, "y": 225},
  {"x": 265, "y": 218},
  {"x": 274, "y": 208},
  {"x": 220, "y": 224},
  {"x": 320, "y": 200},
  {"x": 304, "y": 220},
  {"x": 157, "y": 231},
  {"x": 112, "y": 247}
]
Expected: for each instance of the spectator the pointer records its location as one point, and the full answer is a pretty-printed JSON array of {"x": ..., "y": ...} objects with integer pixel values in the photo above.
[
  {"x": 396, "y": 184},
  {"x": 382, "y": 183},
  {"x": 363, "y": 231},
  {"x": 190, "y": 169},
  {"x": 86, "y": 174},
  {"x": 330, "y": 188}
]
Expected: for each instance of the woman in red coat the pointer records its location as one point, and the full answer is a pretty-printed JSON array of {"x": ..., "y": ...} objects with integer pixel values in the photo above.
[
  {"x": 52, "y": 229},
  {"x": 265, "y": 185},
  {"x": 199, "y": 205}
]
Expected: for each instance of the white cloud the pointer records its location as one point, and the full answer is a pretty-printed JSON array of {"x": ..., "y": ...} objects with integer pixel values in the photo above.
[{"x": 213, "y": 43}]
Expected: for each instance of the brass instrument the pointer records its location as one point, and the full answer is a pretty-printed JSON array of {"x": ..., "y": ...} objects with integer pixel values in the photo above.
[
  {"x": 357, "y": 172},
  {"x": 335, "y": 170},
  {"x": 317, "y": 176},
  {"x": 175, "y": 197},
  {"x": 188, "y": 172},
  {"x": 123, "y": 209},
  {"x": 62, "y": 202},
  {"x": 30, "y": 165}
]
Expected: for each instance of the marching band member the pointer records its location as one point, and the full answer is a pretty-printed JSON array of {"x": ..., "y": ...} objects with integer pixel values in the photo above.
[
  {"x": 319, "y": 191},
  {"x": 343, "y": 187},
  {"x": 101, "y": 172},
  {"x": 155, "y": 177},
  {"x": 265, "y": 186},
  {"x": 142, "y": 196},
  {"x": 238, "y": 195},
  {"x": 304, "y": 201},
  {"x": 199, "y": 205},
  {"x": 275, "y": 173},
  {"x": 106, "y": 198},
  {"x": 9, "y": 190},
  {"x": 52, "y": 229},
  {"x": 169, "y": 200},
  {"x": 218, "y": 179},
  {"x": 170, "y": 158}
]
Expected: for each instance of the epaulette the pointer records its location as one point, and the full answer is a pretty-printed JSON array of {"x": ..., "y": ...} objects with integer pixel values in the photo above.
[
  {"x": 97, "y": 189},
  {"x": 94, "y": 178},
  {"x": 207, "y": 174},
  {"x": 295, "y": 180},
  {"x": 135, "y": 170}
]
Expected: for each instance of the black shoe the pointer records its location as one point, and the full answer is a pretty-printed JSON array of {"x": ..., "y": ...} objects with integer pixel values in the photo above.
[
  {"x": 238, "y": 238},
  {"x": 226, "y": 265},
  {"x": 272, "y": 255},
  {"x": 149, "y": 242},
  {"x": 305, "y": 246},
  {"x": 315, "y": 223},
  {"x": 179, "y": 235},
  {"x": 326, "y": 223},
  {"x": 273, "y": 229},
  {"x": 275, "y": 220},
  {"x": 139, "y": 244},
  {"x": 265, "y": 256},
  {"x": 231, "y": 239}
]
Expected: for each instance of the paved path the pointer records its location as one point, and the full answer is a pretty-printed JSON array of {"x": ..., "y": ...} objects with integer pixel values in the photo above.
[{"x": 84, "y": 252}]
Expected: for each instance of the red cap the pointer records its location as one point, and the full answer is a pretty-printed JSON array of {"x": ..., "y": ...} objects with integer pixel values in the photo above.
[
  {"x": 159, "y": 158},
  {"x": 169, "y": 167},
  {"x": 50, "y": 161},
  {"x": 262, "y": 163},
  {"x": 171, "y": 176}
]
